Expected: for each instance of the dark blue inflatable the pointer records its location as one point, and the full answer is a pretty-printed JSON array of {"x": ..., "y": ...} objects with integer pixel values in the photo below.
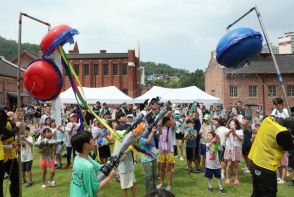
[{"x": 238, "y": 46}]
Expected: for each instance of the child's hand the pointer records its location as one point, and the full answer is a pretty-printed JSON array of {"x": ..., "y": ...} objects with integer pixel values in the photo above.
[{"x": 113, "y": 173}]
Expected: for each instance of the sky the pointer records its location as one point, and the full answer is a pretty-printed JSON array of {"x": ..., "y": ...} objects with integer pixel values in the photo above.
[{"x": 180, "y": 33}]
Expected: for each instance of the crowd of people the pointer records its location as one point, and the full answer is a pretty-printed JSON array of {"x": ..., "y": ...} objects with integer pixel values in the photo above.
[{"x": 213, "y": 141}]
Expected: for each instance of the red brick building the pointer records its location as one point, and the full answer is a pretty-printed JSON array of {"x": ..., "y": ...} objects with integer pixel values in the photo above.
[
  {"x": 25, "y": 59},
  {"x": 8, "y": 84},
  {"x": 106, "y": 69},
  {"x": 256, "y": 82}
]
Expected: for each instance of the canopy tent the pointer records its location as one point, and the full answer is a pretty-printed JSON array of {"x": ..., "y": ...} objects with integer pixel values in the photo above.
[
  {"x": 109, "y": 95},
  {"x": 178, "y": 95}
]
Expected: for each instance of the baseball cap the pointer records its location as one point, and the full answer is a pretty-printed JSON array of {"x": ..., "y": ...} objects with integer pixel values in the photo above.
[
  {"x": 73, "y": 114},
  {"x": 206, "y": 117}
]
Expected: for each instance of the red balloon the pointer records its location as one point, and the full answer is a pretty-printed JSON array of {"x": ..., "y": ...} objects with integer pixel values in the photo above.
[
  {"x": 43, "y": 80},
  {"x": 51, "y": 36}
]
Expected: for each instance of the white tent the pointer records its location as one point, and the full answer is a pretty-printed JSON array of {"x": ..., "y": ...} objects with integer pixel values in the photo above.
[
  {"x": 110, "y": 95},
  {"x": 178, "y": 95}
]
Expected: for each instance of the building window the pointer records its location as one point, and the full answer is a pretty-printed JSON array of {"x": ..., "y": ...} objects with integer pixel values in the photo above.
[
  {"x": 114, "y": 69},
  {"x": 105, "y": 69},
  {"x": 125, "y": 69},
  {"x": 272, "y": 90},
  {"x": 86, "y": 69},
  {"x": 76, "y": 68},
  {"x": 125, "y": 91},
  {"x": 290, "y": 90},
  {"x": 96, "y": 69},
  {"x": 233, "y": 91},
  {"x": 252, "y": 90}
]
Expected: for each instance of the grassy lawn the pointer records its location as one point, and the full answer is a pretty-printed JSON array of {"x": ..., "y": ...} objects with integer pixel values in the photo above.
[{"x": 183, "y": 184}]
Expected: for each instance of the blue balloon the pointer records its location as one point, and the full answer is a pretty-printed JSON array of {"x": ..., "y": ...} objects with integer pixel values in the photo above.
[{"x": 238, "y": 46}]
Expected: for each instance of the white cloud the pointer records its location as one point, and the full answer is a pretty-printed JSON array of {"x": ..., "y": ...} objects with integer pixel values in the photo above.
[{"x": 181, "y": 33}]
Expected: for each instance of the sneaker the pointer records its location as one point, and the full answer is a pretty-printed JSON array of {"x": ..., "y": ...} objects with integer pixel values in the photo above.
[
  {"x": 222, "y": 176},
  {"x": 236, "y": 182},
  {"x": 281, "y": 181},
  {"x": 58, "y": 166},
  {"x": 228, "y": 181},
  {"x": 168, "y": 188},
  {"x": 291, "y": 183},
  {"x": 182, "y": 159},
  {"x": 43, "y": 186},
  {"x": 52, "y": 183},
  {"x": 278, "y": 179},
  {"x": 197, "y": 171},
  {"x": 29, "y": 184},
  {"x": 66, "y": 166},
  {"x": 210, "y": 189},
  {"x": 159, "y": 186},
  {"x": 222, "y": 191},
  {"x": 245, "y": 168},
  {"x": 246, "y": 171}
]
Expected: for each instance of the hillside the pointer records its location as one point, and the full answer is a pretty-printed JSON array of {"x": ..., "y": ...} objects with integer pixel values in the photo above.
[
  {"x": 8, "y": 48},
  {"x": 156, "y": 74}
]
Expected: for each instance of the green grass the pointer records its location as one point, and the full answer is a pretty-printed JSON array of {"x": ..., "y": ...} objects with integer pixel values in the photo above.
[{"x": 183, "y": 184}]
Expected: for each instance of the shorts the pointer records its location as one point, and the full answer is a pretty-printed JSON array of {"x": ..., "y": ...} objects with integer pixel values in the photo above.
[
  {"x": 46, "y": 163},
  {"x": 221, "y": 153},
  {"x": 166, "y": 158},
  {"x": 209, "y": 173},
  {"x": 104, "y": 151},
  {"x": 179, "y": 136},
  {"x": 245, "y": 151},
  {"x": 202, "y": 149},
  {"x": 191, "y": 154},
  {"x": 127, "y": 180},
  {"x": 234, "y": 154},
  {"x": 27, "y": 166}
]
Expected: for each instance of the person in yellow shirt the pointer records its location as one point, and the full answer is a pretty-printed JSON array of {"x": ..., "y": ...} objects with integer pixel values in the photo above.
[
  {"x": 8, "y": 159},
  {"x": 271, "y": 142}
]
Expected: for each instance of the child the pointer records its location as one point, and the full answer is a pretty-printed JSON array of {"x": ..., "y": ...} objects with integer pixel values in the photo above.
[
  {"x": 27, "y": 157},
  {"x": 233, "y": 152},
  {"x": 59, "y": 135},
  {"x": 190, "y": 137},
  {"x": 47, "y": 159},
  {"x": 126, "y": 166},
  {"x": 166, "y": 157},
  {"x": 205, "y": 128},
  {"x": 212, "y": 165},
  {"x": 85, "y": 169}
]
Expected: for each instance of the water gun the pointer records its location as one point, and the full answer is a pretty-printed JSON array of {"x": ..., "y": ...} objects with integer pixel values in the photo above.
[
  {"x": 115, "y": 158},
  {"x": 214, "y": 148}
]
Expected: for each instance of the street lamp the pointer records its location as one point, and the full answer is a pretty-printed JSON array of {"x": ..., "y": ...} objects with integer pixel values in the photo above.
[{"x": 18, "y": 82}]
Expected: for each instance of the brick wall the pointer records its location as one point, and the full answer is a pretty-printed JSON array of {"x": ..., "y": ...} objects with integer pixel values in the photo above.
[
  {"x": 218, "y": 82},
  {"x": 123, "y": 82}
]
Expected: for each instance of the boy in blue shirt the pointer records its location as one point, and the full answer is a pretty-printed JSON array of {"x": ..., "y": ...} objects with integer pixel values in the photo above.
[{"x": 85, "y": 169}]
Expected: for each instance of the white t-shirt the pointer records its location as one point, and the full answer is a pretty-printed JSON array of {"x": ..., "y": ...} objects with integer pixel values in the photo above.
[
  {"x": 221, "y": 132},
  {"x": 280, "y": 114},
  {"x": 211, "y": 164},
  {"x": 27, "y": 151},
  {"x": 232, "y": 140},
  {"x": 68, "y": 136}
]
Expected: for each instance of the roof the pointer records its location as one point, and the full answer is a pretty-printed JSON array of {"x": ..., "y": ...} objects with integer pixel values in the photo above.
[
  {"x": 24, "y": 52},
  {"x": 97, "y": 55},
  {"x": 263, "y": 64},
  {"x": 8, "y": 69}
]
